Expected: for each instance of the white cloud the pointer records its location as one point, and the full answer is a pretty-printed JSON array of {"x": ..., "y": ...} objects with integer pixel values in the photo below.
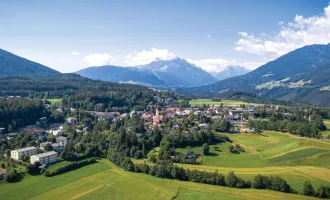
[
  {"x": 99, "y": 59},
  {"x": 302, "y": 31},
  {"x": 147, "y": 56},
  {"x": 75, "y": 53},
  {"x": 217, "y": 65}
]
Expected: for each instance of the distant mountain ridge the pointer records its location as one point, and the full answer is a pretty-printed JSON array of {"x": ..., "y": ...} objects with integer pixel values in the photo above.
[
  {"x": 11, "y": 64},
  {"x": 231, "y": 71},
  {"x": 172, "y": 73},
  {"x": 300, "y": 75},
  {"x": 120, "y": 74}
]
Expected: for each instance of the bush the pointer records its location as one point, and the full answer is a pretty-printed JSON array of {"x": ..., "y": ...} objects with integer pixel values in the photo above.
[{"x": 69, "y": 167}]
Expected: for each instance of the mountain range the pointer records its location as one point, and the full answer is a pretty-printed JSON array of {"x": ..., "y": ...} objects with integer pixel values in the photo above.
[
  {"x": 300, "y": 75},
  {"x": 175, "y": 73}
]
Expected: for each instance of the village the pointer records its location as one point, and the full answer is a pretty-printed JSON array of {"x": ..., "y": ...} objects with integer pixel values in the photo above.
[{"x": 51, "y": 138}]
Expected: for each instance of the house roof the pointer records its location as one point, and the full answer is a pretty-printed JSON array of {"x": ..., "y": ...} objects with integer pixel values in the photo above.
[
  {"x": 25, "y": 149},
  {"x": 50, "y": 153}
]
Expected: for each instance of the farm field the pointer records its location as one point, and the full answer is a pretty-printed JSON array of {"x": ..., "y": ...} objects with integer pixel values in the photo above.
[
  {"x": 104, "y": 180},
  {"x": 195, "y": 102},
  {"x": 295, "y": 159}
]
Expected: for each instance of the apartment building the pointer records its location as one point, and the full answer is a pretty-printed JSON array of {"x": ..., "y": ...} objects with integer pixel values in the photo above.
[
  {"x": 18, "y": 153},
  {"x": 45, "y": 158}
]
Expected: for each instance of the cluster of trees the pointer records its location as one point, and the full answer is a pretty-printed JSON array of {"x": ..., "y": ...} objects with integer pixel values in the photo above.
[
  {"x": 321, "y": 192},
  {"x": 166, "y": 169},
  {"x": 306, "y": 123},
  {"x": 15, "y": 113},
  {"x": 221, "y": 126},
  {"x": 196, "y": 138},
  {"x": 271, "y": 183},
  {"x": 235, "y": 148},
  {"x": 303, "y": 129},
  {"x": 68, "y": 167},
  {"x": 121, "y": 100}
]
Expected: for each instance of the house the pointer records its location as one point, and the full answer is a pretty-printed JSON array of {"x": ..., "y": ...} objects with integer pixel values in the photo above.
[
  {"x": 18, "y": 153},
  {"x": 173, "y": 109},
  {"x": 147, "y": 115},
  {"x": 203, "y": 125},
  {"x": 42, "y": 121},
  {"x": 169, "y": 100},
  {"x": 58, "y": 132},
  {"x": 216, "y": 118},
  {"x": 43, "y": 144},
  {"x": 62, "y": 140},
  {"x": 57, "y": 147},
  {"x": 45, "y": 158},
  {"x": 11, "y": 135},
  {"x": 158, "y": 119},
  {"x": 211, "y": 110},
  {"x": 72, "y": 121},
  {"x": 106, "y": 115},
  {"x": 153, "y": 126},
  {"x": 43, "y": 135}
]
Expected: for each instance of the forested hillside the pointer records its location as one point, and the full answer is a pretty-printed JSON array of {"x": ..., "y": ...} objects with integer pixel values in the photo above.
[{"x": 11, "y": 64}]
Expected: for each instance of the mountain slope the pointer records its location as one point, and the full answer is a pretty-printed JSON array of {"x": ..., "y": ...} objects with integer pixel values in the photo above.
[
  {"x": 120, "y": 74},
  {"x": 231, "y": 71},
  {"x": 185, "y": 72},
  {"x": 11, "y": 64},
  {"x": 301, "y": 75}
]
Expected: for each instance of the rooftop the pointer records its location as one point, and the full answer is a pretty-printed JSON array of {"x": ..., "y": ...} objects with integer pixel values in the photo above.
[
  {"x": 61, "y": 138},
  {"x": 25, "y": 149},
  {"x": 50, "y": 153}
]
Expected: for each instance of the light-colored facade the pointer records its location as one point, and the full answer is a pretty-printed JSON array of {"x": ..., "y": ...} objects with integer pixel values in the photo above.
[
  {"x": 18, "y": 153},
  {"x": 45, "y": 158},
  {"x": 62, "y": 140}
]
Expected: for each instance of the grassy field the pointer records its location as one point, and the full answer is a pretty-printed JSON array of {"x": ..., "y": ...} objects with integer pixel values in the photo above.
[
  {"x": 295, "y": 159},
  {"x": 55, "y": 101},
  {"x": 195, "y": 102},
  {"x": 104, "y": 180}
]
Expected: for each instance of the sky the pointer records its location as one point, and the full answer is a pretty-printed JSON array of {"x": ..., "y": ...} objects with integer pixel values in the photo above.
[{"x": 69, "y": 35}]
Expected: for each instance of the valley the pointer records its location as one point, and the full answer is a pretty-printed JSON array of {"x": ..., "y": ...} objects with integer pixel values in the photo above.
[{"x": 165, "y": 100}]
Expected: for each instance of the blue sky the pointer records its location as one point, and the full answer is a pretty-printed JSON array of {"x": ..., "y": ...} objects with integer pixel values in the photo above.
[{"x": 71, "y": 35}]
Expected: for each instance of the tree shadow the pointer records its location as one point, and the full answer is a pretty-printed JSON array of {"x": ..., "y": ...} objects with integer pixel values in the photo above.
[{"x": 212, "y": 154}]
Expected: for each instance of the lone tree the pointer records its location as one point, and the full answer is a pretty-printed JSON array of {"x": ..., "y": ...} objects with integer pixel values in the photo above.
[{"x": 205, "y": 149}]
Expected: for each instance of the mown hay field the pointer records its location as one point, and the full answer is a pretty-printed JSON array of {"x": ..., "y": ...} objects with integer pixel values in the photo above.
[{"x": 104, "y": 180}]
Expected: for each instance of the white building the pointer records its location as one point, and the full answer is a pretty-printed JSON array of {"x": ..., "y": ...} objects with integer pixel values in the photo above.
[
  {"x": 18, "y": 153},
  {"x": 72, "y": 121},
  {"x": 58, "y": 132},
  {"x": 45, "y": 158},
  {"x": 62, "y": 140}
]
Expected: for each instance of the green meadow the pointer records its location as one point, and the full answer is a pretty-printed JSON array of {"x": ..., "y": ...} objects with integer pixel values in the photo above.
[
  {"x": 295, "y": 159},
  {"x": 103, "y": 180},
  {"x": 196, "y": 102}
]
